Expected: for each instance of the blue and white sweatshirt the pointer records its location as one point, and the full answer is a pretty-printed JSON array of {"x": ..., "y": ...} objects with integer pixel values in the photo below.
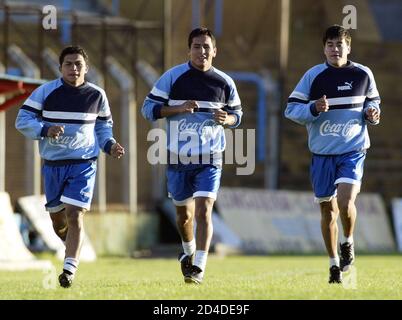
[
  {"x": 194, "y": 134},
  {"x": 83, "y": 111},
  {"x": 350, "y": 91}
]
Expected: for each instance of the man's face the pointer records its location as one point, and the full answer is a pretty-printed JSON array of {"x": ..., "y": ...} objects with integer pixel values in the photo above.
[
  {"x": 337, "y": 50},
  {"x": 202, "y": 51},
  {"x": 73, "y": 69}
]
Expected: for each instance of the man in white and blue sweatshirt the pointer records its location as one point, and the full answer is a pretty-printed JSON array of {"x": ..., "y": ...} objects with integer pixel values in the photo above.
[
  {"x": 335, "y": 101},
  {"x": 72, "y": 121},
  {"x": 197, "y": 100}
]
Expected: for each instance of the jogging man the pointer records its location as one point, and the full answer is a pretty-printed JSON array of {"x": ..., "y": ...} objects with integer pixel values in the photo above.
[
  {"x": 71, "y": 119},
  {"x": 335, "y": 101},
  {"x": 198, "y": 101}
]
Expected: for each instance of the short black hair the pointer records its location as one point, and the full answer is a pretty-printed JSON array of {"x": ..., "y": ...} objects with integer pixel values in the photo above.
[
  {"x": 201, "y": 32},
  {"x": 73, "y": 50},
  {"x": 337, "y": 31}
]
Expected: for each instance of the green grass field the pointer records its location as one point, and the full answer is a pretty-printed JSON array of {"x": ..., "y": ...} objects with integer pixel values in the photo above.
[{"x": 237, "y": 278}]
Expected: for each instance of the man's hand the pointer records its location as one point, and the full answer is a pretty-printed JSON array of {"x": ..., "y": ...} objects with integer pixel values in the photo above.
[
  {"x": 372, "y": 114},
  {"x": 55, "y": 132},
  {"x": 117, "y": 151},
  {"x": 188, "y": 106},
  {"x": 322, "y": 105},
  {"x": 221, "y": 116}
]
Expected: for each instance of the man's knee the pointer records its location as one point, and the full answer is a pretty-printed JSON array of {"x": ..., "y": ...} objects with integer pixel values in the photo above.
[
  {"x": 58, "y": 225},
  {"x": 60, "y": 228},
  {"x": 61, "y": 231},
  {"x": 346, "y": 205},
  {"x": 346, "y": 197},
  {"x": 75, "y": 217},
  {"x": 203, "y": 210},
  {"x": 184, "y": 214},
  {"x": 329, "y": 213},
  {"x": 185, "y": 220},
  {"x": 58, "y": 221}
]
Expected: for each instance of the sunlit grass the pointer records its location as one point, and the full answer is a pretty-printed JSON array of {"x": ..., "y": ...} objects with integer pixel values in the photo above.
[{"x": 237, "y": 278}]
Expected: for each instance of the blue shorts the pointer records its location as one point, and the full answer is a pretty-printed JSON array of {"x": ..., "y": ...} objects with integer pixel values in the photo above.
[
  {"x": 69, "y": 184},
  {"x": 184, "y": 185},
  {"x": 327, "y": 171}
]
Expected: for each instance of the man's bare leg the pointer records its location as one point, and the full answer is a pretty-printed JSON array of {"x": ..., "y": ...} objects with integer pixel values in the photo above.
[
  {"x": 204, "y": 231},
  {"x": 347, "y": 194},
  {"x": 74, "y": 240},
  {"x": 203, "y": 216},
  {"x": 347, "y": 209},
  {"x": 329, "y": 227},
  {"x": 59, "y": 222},
  {"x": 184, "y": 221},
  {"x": 185, "y": 226}
]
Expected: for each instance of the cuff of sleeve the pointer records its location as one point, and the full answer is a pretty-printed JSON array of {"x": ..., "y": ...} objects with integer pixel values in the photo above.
[
  {"x": 108, "y": 146},
  {"x": 313, "y": 110},
  {"x": 157, "y": 112},
  {"x": 44, "y": 130}
]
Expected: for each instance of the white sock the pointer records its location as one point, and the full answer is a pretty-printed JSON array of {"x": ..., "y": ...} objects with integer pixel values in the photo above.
[
  {"x": 200, "y": 259},
  {"x": 347, "y": 239},
  {"x": 71, "y": 265},
  {"x": 189, "y": 247},
  {"x": 334, "y": 261}
]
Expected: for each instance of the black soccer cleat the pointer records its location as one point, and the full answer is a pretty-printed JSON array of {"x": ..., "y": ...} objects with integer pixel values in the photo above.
[
  {"x": 66, "y": 280},
  {"x": 335, "y": 275},
  {"x": 195, "y": 276},
  {"x": 186, "y": 263},
  {"x": 347, "y": 256}
]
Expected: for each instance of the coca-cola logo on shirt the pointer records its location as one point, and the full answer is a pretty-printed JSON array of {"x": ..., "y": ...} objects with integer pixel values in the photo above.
[
  {"x": 73, "y": 143},
  {"x": 198, "y": 127},
  {"x": 347, "y": 130}
]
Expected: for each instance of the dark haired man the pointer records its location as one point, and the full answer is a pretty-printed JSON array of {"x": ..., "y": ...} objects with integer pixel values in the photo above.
[
  {"x": 71, "y": 119},
  {"x": 335, "y": 101},
  {"x": 197, "y": 101}
]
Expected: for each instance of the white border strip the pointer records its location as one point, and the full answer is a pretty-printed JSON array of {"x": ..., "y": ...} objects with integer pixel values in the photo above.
[
  {"x": 348, "y": 180},
  {"x": 69, "y": 115},
  {"x": 299, "y": 95},
  {"x": 75, "y": 202},
  {"x": 201, "y": 104},
  {"x": 206, "y": 194},
  {"x": 159, "y": 93},
  {"x": 33, "y": 104},
  {"x": 56, "y": 209}
]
